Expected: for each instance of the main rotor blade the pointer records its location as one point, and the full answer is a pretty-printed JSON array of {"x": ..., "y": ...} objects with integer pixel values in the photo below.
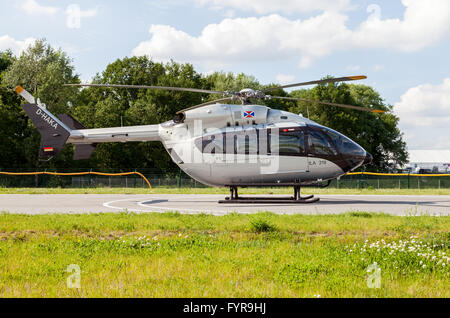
[
  {"x": 331, "y": 104},
  {"x": 205, "y": 104},
  {"x": 183, "y": 89},
  {"x": 328, "y": 80}
]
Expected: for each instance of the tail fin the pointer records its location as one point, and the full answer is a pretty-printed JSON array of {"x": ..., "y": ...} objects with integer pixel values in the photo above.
[{"x": 54, "y": 133}]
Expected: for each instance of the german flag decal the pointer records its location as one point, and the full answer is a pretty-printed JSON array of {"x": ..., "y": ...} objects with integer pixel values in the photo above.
[{"x": 48, "y": 149}]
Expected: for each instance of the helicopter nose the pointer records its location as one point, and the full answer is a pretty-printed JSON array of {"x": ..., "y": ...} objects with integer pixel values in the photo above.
[{"x": 368, "y": 159}]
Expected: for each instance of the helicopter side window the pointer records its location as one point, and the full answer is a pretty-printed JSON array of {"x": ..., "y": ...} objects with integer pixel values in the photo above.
[
  {"x": 213, "y": 144},
  {"x": 319, "y": 144},
  {"x": 246, "y": 143},
  {"x": 290, "y": 142}
]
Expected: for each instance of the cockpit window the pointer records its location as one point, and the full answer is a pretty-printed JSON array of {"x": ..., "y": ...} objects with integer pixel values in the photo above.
[
  {"x": 319, "y": 144},
  {"x": 345, "y": 146}
]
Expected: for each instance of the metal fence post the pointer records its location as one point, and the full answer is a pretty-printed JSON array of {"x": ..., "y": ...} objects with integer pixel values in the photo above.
[
  {"x": 179, "y": 180},
  {"x": 90, "y": 178},
  {"x": 43, "y": 179},
  {"x": 362, "y": 180},
  {"x": 409, "y": 180},
  {"x": 135, "y": 170}
]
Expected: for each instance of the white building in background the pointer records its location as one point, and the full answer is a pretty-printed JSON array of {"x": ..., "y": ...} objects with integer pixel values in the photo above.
[{"x": 429, "y": 161}]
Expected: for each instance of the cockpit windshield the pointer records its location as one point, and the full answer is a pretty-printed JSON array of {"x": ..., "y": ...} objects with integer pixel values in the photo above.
[
  {"x": 345, "y": 146},
  {"x": 319, "y": 144}
]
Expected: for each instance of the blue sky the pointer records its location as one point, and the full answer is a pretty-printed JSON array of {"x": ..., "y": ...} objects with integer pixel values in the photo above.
[{"x": 402, "y": 46}]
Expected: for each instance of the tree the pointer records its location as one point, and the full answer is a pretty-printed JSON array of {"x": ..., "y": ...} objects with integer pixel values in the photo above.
[
  {"x": 109, "y": 107},
  {"x": 221, "y": 81},
  {"x": 377, "y": 133},
  {"x": 13, "y": 123}
]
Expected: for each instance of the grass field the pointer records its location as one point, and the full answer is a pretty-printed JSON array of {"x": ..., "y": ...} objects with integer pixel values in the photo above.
[
  {"x": 262, "y": 255},
  {"x": 224, "y": 191}
]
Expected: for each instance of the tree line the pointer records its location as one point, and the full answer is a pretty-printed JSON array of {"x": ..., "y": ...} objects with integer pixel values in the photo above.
[{"x": 42, "y": 70}]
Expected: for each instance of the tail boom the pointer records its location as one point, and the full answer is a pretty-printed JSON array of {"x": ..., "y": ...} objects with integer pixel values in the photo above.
[
  {"x": 56, "y": 132},
  {"x": 115, "y": 134}
]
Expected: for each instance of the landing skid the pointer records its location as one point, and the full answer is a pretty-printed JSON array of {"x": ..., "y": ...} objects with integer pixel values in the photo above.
[{"x": 296, "y": 199}]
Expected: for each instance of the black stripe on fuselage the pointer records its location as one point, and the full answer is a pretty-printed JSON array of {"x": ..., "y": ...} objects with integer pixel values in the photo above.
[{"x": 345, "y": 162}]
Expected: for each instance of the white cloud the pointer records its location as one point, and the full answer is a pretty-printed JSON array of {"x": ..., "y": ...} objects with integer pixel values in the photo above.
[
  {"x": 285, "y": 79},
  {"x": 283, "y": 6},
  {"x": 423, "y": 23},
  {"x": 424, "y": 113},
  {"x": 75, "y": 14},
  {"x": 274, "y": 37},
  {"x": 245, "y": 39},
  {"x": 16, "y": 46},
  {"x": 32, "y": 7}
]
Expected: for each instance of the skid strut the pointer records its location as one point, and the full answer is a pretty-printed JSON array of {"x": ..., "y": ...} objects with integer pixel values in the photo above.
[{"x": 296, "y": 199}]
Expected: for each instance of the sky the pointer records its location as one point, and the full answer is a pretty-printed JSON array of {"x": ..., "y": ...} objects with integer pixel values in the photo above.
[{"x": 403, "y": 47}]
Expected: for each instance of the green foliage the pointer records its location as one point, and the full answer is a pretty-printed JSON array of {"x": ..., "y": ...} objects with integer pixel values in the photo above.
[
  {"x": 42, "y": 71},
  {"x": 297, "y": 274},
  {"x": 115, "y": 107},
  {"x": 361, "y": 214},
  {"x": 230, "y": 82},
  {"x": 310, "y": 256},
  {"x": 261, "y": 225},
  {"x": 16, "y": 136}
]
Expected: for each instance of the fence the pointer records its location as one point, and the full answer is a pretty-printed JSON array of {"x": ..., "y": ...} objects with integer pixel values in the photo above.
[
  {"x": 74, "y": 177},
  {"x": 360, "y": 180},
  {"x": 146, "y": 178}
]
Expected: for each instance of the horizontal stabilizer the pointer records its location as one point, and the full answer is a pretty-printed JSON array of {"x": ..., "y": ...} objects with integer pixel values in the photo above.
[
  {"x": 84, "y": 152},
  {"x": 54, "y": 133},
  {"x": 71, "y": 122}
]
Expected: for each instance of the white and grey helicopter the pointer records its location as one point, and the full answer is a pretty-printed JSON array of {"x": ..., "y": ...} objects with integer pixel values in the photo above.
[{"x": 224, "y": 145}]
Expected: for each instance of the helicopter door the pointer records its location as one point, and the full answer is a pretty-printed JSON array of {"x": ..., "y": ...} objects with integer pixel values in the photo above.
[{"x": 288, "y": 151}]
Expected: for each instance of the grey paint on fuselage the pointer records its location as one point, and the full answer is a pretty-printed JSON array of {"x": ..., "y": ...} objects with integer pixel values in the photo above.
[{"x": 290, "y": 170}]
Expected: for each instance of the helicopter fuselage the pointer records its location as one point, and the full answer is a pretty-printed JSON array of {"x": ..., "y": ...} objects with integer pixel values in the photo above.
[{"x": 226, "y": 145}]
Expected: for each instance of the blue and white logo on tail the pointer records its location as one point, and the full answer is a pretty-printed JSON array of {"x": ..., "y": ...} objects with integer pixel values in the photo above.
[{"x": 249, "y": 114}]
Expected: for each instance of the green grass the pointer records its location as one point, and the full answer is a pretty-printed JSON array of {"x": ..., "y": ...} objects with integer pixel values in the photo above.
[
  {"x": 262, "y": 255},
  {"x": 224, "y": 191}
]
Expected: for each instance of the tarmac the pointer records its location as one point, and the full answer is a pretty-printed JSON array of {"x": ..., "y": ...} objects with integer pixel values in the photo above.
[{"x": 208, "y": 204}]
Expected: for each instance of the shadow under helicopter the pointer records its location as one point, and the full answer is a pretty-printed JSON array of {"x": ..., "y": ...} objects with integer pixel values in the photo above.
[{"x": 324, "y": 201}]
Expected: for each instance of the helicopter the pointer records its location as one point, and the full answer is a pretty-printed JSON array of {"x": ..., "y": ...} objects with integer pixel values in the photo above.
[{"x": 225, "y": 145}]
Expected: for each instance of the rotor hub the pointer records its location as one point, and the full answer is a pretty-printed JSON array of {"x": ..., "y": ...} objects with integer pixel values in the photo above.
[{"x": 246, "y": 94}]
